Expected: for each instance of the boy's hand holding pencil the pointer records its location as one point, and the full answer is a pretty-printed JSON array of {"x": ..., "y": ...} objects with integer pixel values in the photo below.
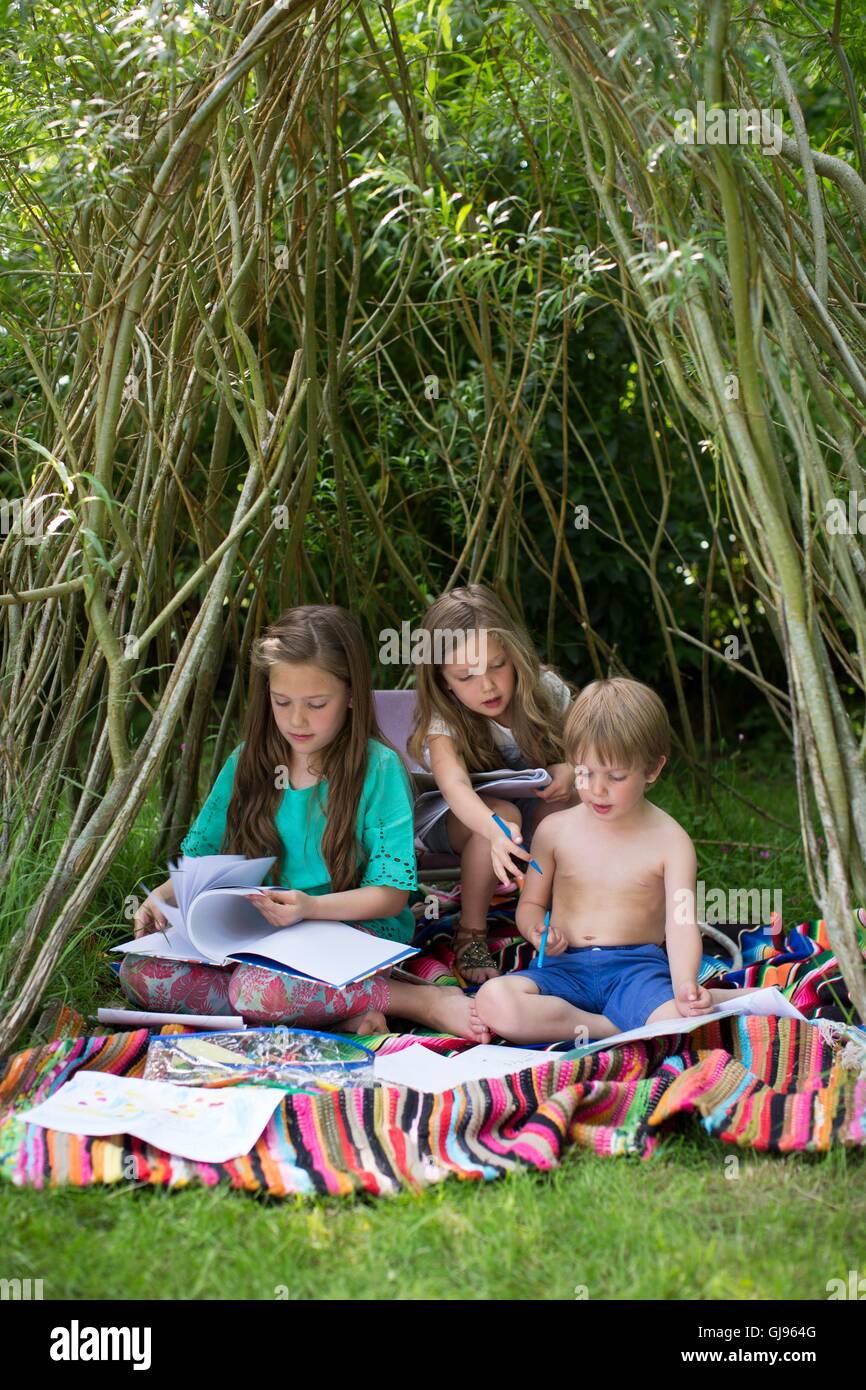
[{"x": 555, "y": 944}]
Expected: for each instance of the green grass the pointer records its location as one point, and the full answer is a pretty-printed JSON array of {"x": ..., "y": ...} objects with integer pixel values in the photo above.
[
  {"x": 677, "y": 1226},
  {"x": 671, "y": 1227}
]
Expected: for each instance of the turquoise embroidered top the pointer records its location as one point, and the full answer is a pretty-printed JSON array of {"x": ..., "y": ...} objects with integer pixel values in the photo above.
[{"x": 384, "y": 828}]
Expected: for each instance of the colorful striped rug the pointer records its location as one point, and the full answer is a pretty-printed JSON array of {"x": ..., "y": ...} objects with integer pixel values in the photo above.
[{"x": 762, "y": 1083}]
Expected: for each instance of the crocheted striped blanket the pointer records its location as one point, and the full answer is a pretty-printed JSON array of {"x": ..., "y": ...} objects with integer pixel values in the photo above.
[{"x": 762, "y": 1083}]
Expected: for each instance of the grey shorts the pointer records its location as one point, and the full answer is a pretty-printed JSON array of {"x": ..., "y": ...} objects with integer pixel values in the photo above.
[{"x": 436, "y": 840}]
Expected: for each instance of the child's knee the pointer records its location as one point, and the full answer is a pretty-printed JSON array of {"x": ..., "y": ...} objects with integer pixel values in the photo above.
[
  {"x": 497, "y": 1005},
  {"x": 128, "y": 978},
  {"x": 506, "y": 810},
  {"x": 259, "y": 995},
  {"x": 666, "y": 1010}
]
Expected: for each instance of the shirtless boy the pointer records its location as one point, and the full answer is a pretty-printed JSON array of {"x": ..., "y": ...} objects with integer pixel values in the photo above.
[{"x": 623, "y": 877}]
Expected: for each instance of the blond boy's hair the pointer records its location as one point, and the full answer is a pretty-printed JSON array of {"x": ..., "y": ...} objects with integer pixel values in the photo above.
[{"x": 622, "y": 721}]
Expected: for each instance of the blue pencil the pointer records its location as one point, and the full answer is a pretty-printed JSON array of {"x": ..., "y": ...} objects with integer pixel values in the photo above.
[
  {"x": 544, "y": 938},
  {"x": 503, "y": 826}
]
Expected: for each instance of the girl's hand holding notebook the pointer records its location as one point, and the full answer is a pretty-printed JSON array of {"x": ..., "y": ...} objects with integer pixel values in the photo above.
[
  {"x": 282, "y": 907},
  {"x": 561, "y": 785},
  {"x": 149, "y": 917}
]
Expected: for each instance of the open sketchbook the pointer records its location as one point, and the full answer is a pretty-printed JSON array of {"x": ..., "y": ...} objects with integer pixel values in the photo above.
[
  {"x": 431, "y": 805},
  {"x": 214, "y": 924}
]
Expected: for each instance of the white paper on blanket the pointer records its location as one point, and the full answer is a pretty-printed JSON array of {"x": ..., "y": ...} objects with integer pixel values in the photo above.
[
  {"x": 768, "y": 1002},
  {"x": 203, "y": 1123},
  {"x": 431, "y": 806},
  {"x": 216, "y": 925},
  {"x": 421, "y": 1069}
]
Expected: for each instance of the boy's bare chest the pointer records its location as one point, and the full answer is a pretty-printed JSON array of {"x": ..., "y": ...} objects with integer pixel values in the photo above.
[{"x": 616, "y": 870}]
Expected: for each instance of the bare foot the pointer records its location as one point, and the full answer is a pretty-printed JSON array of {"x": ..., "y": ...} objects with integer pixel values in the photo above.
[
  {"x": 367, "y": 1024},
  {"x": 478, "y": 1024},
  {"x": 452, "y": 1011}
]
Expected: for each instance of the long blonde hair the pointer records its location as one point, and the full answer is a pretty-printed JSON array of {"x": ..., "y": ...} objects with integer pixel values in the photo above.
[
  {"x": 328, "y": 637},
  {"x": 536, "y": 724}
]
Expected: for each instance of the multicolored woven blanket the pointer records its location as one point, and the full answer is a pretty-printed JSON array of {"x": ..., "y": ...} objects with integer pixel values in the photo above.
[
  {"x": 760, "y": 1083},
  {"x": 772, "y": 1084}
]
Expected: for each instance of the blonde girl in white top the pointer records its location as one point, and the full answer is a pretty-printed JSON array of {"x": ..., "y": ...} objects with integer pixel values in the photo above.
[{"x": 511, "y": 714}]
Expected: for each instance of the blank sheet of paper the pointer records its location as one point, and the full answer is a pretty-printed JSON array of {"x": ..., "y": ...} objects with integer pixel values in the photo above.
[{"x": 422, "y": 1070}]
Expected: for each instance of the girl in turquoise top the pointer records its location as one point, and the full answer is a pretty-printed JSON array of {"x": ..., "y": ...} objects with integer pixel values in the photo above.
[{"x": 314, "y": 784}]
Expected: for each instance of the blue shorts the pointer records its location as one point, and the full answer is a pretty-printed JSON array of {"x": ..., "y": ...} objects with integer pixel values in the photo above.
[
  {"x": 436, "y": 840},
  {"x": 625, "y": 983}
]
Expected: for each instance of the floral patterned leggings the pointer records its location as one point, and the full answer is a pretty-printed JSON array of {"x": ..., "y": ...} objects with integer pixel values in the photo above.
[{"x": 258, "y": 994}]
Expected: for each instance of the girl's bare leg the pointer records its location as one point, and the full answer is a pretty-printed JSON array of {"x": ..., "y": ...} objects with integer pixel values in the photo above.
[
  {"x": 477, "y": 882},
  {"x": 549, "y": 808},
  {"x": 443, "y": 1007},
  {"x": 369, "y": 1024},
  {"x": 438, "y": 1006}
]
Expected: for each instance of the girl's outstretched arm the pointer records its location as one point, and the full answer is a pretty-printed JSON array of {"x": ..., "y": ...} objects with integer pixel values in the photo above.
[
  {"x": 360, "y": 904},
  {"x": 284, "y": 907},
  {"x": 471, "y": 810}
]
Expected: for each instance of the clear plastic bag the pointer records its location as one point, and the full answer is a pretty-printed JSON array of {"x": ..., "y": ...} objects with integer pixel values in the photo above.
[{"x": 291, "y": 1058}]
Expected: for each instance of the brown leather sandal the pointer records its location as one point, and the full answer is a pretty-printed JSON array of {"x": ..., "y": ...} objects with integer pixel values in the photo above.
[{"x": 471, "y": 952}]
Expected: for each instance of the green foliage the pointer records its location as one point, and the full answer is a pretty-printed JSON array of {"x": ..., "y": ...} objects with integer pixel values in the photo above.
[{"x": 482, "y": 263}]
